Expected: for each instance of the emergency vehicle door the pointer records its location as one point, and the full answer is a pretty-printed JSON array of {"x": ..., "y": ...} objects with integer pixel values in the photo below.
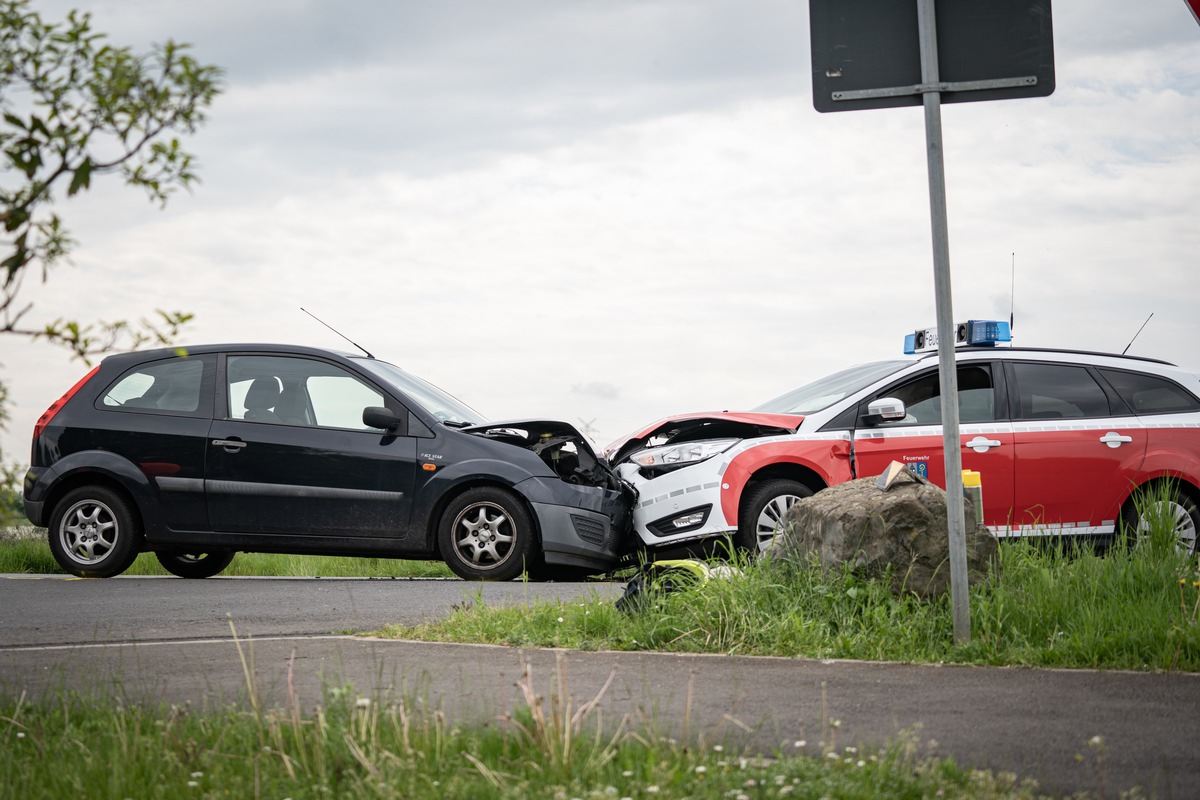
[
  {"x": 1079, "y": 449},
  {"x": 916, "y": 440}
]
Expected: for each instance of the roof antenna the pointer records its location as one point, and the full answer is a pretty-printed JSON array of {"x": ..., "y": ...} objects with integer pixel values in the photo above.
[
  {"x": 1012, "y": 295},
  {"x": 335, "y": 330},
  {"x": 1139, "y": 333}
]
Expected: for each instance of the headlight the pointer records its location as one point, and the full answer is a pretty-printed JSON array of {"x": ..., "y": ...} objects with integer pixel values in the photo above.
[{"x": 678, "y": 455}]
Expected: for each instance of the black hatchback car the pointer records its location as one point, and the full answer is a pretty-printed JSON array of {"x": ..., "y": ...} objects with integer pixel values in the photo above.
[{"x": 197, "y": 453}]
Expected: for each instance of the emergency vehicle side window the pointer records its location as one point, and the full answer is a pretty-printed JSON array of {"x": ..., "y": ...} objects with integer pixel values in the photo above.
[
  {"x": 922, "y": 397},
  {"x": 1151, "y": 394},
  {"x": 1058, "y": 391}
]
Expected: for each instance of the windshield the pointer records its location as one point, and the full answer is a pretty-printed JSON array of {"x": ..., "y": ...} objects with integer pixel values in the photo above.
[
  {"x": 443, "y": 406},
  {"x": 821, "y": 394}
]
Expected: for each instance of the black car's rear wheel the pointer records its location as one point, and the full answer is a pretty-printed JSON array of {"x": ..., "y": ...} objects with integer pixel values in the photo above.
[
  {"x": 195, "y": 565},
  {"x": 486, "y": 534},
  {"x": 93, "y": 533}
]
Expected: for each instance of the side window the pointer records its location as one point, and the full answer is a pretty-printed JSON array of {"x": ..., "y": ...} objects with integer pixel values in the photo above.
[
  {"x": 297, "y": 391},
  {"x": 174, "y": 386},
  {"x": 338, "y": 400},
  {"x": 1058, "y": 391},
  {"x": 1150, "y": 394},
  {"x": 922, "y": 397}
]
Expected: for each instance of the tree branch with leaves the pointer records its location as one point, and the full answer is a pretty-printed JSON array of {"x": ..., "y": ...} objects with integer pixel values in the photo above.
[{"x": 75, "y": 108}]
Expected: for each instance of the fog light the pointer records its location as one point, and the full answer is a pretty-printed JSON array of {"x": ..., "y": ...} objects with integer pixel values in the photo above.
[{"x": 688, "y": 520}]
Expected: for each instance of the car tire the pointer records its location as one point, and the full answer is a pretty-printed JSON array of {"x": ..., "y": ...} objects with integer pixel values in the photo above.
[
  {"x": 1147, "y": 503},
  {"x": 485, "y": 534},
  {"x": 762, "y": 511},
  {"x": 94, "y": 533},
  {"x": 195, "y": 565}
]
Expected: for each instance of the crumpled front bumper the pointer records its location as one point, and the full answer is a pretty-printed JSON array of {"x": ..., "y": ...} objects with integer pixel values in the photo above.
[
  {"x": 676, "y": 496},
  {"x": 581, "y": 526}
]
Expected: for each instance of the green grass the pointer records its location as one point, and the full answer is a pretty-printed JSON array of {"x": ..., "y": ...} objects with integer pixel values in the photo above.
[
  {"x": 352, "y": 747},
  {"x": 25, "y": 551},
  {"x": 1132, "y": 608}
]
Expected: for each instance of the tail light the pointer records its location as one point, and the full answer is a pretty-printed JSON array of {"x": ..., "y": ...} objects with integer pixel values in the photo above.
[{"x": 57, "y": 405}]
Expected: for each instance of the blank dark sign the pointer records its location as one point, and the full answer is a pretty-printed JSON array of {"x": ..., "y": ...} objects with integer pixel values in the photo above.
[{"x": 874, "y": 44}]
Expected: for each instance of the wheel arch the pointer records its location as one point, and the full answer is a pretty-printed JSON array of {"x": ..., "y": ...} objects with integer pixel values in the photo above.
[
  {"x": 434, "y": 517},
  {"x": 817, "y": 463},
  {"x": 1150, "y": 480},
  {"x": 1162, "y": 476},
  {"x": 80, "y": 478},
  {"x": 1179, "y": 488},
  {"x": 786, "y": 470}
]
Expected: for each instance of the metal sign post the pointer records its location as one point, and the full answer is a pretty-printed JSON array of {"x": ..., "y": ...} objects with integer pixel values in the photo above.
[
  {"x": 947, "y": 372},
  {"x": 879, "y": 54}
]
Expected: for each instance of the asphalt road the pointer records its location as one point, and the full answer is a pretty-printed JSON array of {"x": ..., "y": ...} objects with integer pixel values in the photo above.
[{"x": 168, "y": 639}]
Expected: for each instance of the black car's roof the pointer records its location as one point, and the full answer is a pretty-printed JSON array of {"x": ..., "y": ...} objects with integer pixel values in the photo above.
[{"x": 233, "y": 347}]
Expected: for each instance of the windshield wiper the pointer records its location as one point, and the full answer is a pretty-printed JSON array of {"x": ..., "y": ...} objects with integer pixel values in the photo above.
[{"x": 456, "y": 423}]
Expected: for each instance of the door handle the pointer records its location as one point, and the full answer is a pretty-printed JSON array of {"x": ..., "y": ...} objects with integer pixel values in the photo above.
[
  {"x": 230, "y": 445},
  {"x": 1114, "y": 439},
  {"x": 981, "y": 444}
]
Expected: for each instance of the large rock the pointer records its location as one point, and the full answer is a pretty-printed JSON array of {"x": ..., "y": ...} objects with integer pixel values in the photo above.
[{"x": 902, "y": 527}]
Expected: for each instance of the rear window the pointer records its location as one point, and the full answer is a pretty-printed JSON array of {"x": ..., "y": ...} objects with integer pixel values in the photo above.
[
  {"x": 172, "y": 386},
  {"x": 1150, "y": 394},
  {"x": 1058, "y": 391}
]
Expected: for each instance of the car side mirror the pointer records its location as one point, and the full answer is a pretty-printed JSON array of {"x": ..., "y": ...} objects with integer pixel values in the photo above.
[
  {"x": 379, "y": 417},
  {"x": 886, "y": 409}
]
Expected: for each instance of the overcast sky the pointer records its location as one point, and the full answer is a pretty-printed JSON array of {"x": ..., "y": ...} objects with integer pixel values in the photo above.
[{"x": 608, "y": 211}]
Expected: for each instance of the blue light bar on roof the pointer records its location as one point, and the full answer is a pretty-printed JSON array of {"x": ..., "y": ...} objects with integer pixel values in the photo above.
[
  {"x": 975, "y": 332},
  {"x": 982, "y": 332}
]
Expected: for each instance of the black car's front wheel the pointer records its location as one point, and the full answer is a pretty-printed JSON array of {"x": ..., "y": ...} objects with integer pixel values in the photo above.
[
  {"x": 195, "y": 565},
  {"x": 485, "y": 534},
  {"x": 94, "y": 533}
]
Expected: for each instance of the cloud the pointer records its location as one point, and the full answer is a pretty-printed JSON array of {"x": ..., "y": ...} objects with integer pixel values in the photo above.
[
  {"x": 624, "y": 210},
  {"x": 598, "y": 389}
]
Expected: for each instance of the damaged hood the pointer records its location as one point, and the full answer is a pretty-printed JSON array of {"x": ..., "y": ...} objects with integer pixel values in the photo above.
[
  {"x": 530, "y": 432},
  {"x": 560, "y": 446},
  {"x": 705, "y": 425}
]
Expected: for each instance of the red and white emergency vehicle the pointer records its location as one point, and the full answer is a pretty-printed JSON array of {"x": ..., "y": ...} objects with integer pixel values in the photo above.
[{"x": 1062, "y": 439}]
